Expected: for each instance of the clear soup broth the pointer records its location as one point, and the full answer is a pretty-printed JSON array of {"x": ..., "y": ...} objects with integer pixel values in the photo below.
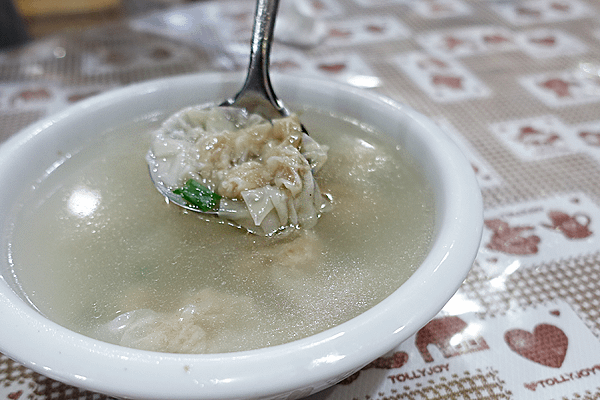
[{"x": 95, "y": 247}]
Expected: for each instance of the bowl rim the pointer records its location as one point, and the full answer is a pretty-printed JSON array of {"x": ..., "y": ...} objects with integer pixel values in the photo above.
[{"x": 325, "y": 357}]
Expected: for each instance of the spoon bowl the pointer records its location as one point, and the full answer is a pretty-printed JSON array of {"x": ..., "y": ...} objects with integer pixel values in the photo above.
[{"x": 255, "y": 97}]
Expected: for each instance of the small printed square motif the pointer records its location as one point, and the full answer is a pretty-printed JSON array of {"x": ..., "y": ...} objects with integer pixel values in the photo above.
[
  {"x": 587, "y": 135},
  {"x": 438, "y": 9},
  {"x": 537, "y": 232},
  {"x": 365, "y": 30},
  {"x": 548, "y": 43},
  {"x": 534, "y": 138},
  {"x": 543, "y": 11},
  {"x": 443, "y": 79},
  {"x": 468, "y": 41},
  {"x": 45, "y": 96},
  {"x": 563, "y": 88},
  {"x": 349, "y": 68}
]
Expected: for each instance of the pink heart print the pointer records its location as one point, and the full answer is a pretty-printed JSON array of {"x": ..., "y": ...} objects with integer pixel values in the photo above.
[{"x": 547, "y": 345}]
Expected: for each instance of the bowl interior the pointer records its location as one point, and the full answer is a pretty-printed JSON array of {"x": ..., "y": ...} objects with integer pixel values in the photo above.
[{"x": 303, "y": 366}]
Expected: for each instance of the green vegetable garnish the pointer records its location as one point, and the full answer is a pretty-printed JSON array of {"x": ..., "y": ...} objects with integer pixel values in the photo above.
[{"x": 198, "y": 195}]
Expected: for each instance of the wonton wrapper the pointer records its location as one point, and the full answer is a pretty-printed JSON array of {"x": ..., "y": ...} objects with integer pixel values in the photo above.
[{"x": 263, "y": 169}]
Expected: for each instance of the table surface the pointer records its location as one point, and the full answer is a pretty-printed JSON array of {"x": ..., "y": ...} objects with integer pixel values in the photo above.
[{"x": 516, "y": 84}]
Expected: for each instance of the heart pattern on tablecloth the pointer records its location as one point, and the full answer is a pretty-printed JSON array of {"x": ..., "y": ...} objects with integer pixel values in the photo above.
[{"x": 547, "y": 345}]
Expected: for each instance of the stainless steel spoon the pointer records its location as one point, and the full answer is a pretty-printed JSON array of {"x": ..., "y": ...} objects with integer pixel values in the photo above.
[{"x": 256, "y": 96}]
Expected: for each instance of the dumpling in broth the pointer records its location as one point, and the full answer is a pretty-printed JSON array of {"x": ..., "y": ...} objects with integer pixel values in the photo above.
[{"x": 262, "y": 170}]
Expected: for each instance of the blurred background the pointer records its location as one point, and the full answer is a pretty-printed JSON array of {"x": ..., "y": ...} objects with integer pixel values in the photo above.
[{"x": 39, "y": 18}]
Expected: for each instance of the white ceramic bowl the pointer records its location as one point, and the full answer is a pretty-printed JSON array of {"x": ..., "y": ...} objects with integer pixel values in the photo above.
[{"x": 291, "y": 370}]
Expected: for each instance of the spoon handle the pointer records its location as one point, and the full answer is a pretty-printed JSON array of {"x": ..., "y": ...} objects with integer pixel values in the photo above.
[{"x": 257, "y": 89}]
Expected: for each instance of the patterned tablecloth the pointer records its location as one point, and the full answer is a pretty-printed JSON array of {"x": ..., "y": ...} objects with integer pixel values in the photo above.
[{"x": 515, "y": 83}]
